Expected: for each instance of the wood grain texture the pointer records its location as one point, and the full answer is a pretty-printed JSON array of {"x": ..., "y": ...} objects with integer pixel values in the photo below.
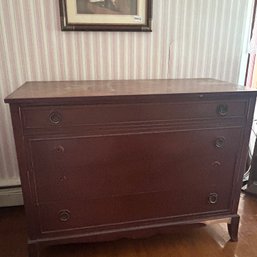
[{"x": 211, "y": 240}]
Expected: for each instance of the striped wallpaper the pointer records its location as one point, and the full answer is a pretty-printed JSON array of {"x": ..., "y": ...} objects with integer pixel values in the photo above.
[{"x": 190, "y": 38}]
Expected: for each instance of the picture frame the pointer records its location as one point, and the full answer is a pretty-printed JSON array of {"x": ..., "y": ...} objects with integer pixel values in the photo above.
[{"x": 106, "y": 15}]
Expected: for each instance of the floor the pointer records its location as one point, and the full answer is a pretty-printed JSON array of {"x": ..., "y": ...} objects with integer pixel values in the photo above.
[{"x": 200, "y": 241}]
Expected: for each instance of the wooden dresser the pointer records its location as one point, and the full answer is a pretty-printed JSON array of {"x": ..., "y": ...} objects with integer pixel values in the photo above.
[{"x": 102, "y": 160}]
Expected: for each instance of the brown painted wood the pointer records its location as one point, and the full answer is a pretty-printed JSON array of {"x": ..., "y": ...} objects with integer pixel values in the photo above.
[
  {"x": 113, "y": 90},
  {"x": 49, "y": 154},
  {"x": 104, "y": 160},
  {"x": 34, "y": 249},
  {"x": 233, "y": 228},
  {"x": 211, "y": 240},
  {"x": 93, "y": 115}
]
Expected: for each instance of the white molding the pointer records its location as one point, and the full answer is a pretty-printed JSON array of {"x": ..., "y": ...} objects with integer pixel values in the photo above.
[
  {"x": 11, "y": 197},
  {"x": 9, "y": 182}
]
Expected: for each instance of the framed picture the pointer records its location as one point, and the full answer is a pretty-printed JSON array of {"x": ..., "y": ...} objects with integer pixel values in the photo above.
[{"x": 106, "y": 15}]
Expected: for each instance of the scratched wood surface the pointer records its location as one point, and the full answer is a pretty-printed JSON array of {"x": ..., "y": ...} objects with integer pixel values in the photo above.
[{"x": 86, "y": 89}]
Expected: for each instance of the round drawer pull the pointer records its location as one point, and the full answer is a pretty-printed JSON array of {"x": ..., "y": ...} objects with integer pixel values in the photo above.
[
  {"x": 213, "y": 198},
  {"x": 222, "y": 109},
  {"x": 55, "y": 118},
  {"x": 59, "y": 149},
  {"x": 220, "y": 142},
  {"x": 64, "y": 215},
  {"x": 216, "y": 164}
]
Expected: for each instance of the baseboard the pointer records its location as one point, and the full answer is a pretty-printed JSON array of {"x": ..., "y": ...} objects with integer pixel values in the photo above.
[{"x": 11, "y": 196}]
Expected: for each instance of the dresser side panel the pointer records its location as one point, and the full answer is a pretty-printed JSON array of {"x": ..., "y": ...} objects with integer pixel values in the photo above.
[{"x": 23, "y": 162}]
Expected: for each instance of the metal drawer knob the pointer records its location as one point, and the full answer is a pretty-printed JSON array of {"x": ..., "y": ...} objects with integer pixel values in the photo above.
[
  {"x": 64, "y": 215},
  {"x": 55, "y": 118},
  {"x": 222, "y": 109},
  {"x": 220, "y": 142},
  {"x": 213, "y": 198},
  {"x": 59, "y": 149},
  {"x": 216, "y": 164}
]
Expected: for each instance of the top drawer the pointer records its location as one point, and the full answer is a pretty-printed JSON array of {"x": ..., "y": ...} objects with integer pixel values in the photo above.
[{"x": 78, "y": 115}]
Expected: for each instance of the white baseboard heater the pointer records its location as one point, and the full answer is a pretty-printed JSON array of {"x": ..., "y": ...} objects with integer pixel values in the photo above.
[{"x": 11, "y": 196}]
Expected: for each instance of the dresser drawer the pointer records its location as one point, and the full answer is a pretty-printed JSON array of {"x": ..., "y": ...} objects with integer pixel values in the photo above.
[
  {"x": 119, "y": 210},
  {"x": 117, "y": 165},
  {"x": 70, "y": 116}
]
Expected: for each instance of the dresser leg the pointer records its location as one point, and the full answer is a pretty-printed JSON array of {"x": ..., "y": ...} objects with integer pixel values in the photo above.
[
  {"x": 233, "y": 228},
  {"x": 34, "y": 250}
]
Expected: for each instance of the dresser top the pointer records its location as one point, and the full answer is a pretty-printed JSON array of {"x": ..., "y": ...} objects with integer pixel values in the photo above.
[{"x": 65, "y": 91}]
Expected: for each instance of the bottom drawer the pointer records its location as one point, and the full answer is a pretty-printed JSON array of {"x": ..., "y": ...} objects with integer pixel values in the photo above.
[{"x": 60, "y": 216}]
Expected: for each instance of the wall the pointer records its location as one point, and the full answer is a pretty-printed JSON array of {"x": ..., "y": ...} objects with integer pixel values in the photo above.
[{"x": 190, "y": 38}]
